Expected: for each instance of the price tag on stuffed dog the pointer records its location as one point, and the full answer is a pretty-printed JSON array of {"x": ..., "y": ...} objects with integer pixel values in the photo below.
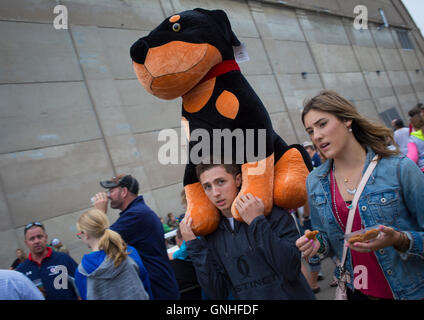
[{"x": 240, "y": 53}]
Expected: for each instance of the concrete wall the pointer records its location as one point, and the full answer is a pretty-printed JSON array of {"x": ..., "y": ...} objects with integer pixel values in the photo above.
[{"x": 72, "y": 111}]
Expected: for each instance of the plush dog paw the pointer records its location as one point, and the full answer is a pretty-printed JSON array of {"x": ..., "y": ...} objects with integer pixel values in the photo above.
[
  {"x": 290, "y": 180},
  {"x": 258, "y": 179},
  {"x": 204, "y": 214}
]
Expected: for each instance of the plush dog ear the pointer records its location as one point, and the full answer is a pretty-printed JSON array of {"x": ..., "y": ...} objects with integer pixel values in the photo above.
[{"x": 221, "y": 19}]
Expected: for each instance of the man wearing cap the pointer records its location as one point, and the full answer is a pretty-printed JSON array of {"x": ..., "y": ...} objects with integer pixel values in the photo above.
[
  {"x": 52, "y": 272},
  {"x": 316, "y": 161},
  {"x": 140, "y": 227}
]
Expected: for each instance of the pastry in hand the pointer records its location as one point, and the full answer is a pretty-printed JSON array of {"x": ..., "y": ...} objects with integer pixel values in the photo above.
[{"x": 311, "y": 235}]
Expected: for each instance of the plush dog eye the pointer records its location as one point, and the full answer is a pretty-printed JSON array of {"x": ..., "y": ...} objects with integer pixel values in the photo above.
[{"x": 176, "y": 27}]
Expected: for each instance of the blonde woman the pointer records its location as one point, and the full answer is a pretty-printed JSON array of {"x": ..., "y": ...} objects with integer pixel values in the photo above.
[{"x": 112, "y": 271}]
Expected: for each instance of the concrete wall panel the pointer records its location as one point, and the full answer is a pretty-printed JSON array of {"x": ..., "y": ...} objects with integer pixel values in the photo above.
[
  {"x": 258, "y": 63},
  {"x": 151, "y": 149},
  {"x": 116, "y": 46},
  {"x": 267, "y": 90},
  {"x": 28, "y": 10},
  {"x": 334, "y": 58},
  {"x": 237, "y": 11},
  {"x": 350, "y": 85},
  {"x": 369, "y": 58},
  {"x": 283, "y": 127},
  {"x": 407, "y": 102},
  {"x": 409, "y": 59},
  {"x": 417, "y": 79},
  {"x": 379, "y": 85},
  {"x": 144, "y": 15},
  {"x": 33, "y": 52},
  {"x": 290, "y": 57},
  {"x": 145, "y": 112},
  {"x": 281, "y": 25},
  {"x": 324, "y": 29},
  {"x": 391, "y": 59},
  {"x": 400, "y": 82},
  {"x": 51, "y": 113},
  {"x": 52, "y": 181}
]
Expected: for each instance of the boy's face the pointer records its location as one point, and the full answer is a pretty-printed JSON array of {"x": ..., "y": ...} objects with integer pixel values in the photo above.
[{"x": 221, "y": 188}]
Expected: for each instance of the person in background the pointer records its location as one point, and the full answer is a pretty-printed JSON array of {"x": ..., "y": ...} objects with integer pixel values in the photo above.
[
  {"x": 414, "y": 111},
  {"x": 172, "y": 222},
  {"x": 20, "y": 257},
  {"x": 401, "y": 135},
  {"x": 165, "y": 227},
  {"x": 15, "y": 286},
  {"x": 391, "y": 202},
  {"x": 416, "y": 142},
  {"x": 52, "y": 272},
  {"x": 58, "y": 246},
  {"x": 315, "y": 158},
  {"x": 140, "y": 228},
  {"x": 112, "y": 271}
]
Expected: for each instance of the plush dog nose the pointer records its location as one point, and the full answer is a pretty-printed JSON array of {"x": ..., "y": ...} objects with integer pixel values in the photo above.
[{"x": 139, "y": 50}]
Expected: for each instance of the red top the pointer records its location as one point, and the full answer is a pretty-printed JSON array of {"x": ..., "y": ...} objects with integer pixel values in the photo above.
[
  {"x": 377, "y": 285},
  {"x": 49, "y": 253}
]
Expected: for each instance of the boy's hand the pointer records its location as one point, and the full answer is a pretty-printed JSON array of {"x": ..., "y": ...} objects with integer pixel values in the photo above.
[
  {"x": 185, "y": 228},
  {"x": 249, "y": 207}
]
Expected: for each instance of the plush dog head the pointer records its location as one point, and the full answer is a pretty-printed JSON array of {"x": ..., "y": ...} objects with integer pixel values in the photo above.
[{"x": 175, "y": 56}]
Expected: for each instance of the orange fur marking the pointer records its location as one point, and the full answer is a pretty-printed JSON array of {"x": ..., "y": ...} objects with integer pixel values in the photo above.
[
  {"x": 259, "y": 184},
  {"x": 143, "y": 75},
  {"x": 197, "y": 98},
  {"x": 203, "y": 212},
  {"x": 290, "y": 180},
  {"x": 227, "y": 104},
  {"x": 174, "y": 18},
  {"x": 173, "y": 69}
]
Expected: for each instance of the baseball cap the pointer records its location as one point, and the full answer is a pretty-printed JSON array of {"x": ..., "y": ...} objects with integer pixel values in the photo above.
[
  {"x": 122, "y": 180},
  {"x": 307, "y": 144}
]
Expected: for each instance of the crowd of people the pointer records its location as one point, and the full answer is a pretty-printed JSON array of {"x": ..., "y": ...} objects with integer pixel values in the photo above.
[{"x": 365, "y": 176}]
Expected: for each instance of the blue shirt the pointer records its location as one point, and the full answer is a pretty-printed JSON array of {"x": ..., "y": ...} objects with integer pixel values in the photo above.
[
  {"x": 393, "y": 197},
  {"x": 51, "y": 275},
  {"x": 141, "y": 228},
  {"x": 181, "y": 253},
  {"x": 15, "y": 286}
]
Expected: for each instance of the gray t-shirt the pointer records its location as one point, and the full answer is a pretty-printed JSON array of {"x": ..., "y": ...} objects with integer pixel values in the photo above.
[{"x": 401, "y": 138}]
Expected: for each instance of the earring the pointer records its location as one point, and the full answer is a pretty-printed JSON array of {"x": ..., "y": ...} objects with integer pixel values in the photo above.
[{"x": 350, "y": 129}]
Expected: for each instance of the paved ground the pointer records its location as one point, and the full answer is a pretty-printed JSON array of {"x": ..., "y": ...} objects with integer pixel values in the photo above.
[{"x": 327, "y": 269}]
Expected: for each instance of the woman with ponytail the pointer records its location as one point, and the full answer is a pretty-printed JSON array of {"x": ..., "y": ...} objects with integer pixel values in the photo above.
[{"x": 113, "y": 270}]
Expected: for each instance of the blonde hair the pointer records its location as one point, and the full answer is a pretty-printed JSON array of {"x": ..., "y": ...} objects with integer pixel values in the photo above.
[
  {"x": 96, "y": 224},
  {"x": 367, "y": 133}
]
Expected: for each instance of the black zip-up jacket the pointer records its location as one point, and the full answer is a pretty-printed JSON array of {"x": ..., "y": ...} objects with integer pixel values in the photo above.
[{"x": 258, "y": 261}]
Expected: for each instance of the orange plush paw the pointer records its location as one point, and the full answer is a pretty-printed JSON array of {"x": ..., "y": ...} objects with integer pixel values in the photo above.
[
  {"x": 290, "y": 180},
  {"x": 258, "y": 179},
  {"x": 205, "y": 216}
]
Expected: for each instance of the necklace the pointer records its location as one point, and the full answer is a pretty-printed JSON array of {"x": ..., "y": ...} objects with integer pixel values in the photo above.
[
  {"x": 345, "y": 180},
  {"x": 335, "y": 204}
]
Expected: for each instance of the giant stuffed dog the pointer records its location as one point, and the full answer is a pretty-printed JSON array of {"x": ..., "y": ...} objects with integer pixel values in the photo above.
[{"x": 191, "y": 55}]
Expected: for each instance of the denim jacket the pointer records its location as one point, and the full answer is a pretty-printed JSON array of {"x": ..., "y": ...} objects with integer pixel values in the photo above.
[{"x": 394, "y": 197}]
